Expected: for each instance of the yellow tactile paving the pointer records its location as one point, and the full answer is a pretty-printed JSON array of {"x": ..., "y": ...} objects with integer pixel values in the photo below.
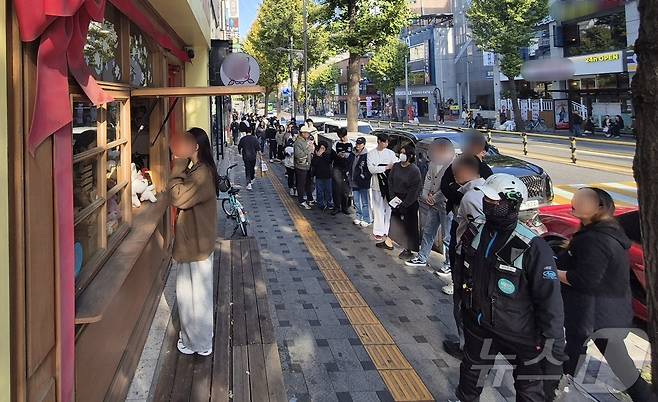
[
  {"x": 334, "y": 275},
  {"x": 341, "y": 286},
  {"x": 350, "y": 300},
  {"x": 360, "y": 315},
  {"x": 405, "y": 385},
  {"x": 373, "y": 334},
  {"x": 400, "y": 378},
  {"x": 387, "y": 357}
]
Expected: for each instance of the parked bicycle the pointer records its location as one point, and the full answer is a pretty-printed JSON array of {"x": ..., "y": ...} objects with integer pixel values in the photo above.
[
  {"x": 231, "y": 205},
  {"x": 537, "y": 125}
]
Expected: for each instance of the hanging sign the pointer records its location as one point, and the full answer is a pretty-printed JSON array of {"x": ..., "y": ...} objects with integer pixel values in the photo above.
[{"x": 239, "y": 69}]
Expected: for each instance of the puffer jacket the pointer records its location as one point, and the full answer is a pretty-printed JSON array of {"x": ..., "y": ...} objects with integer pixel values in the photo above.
[{"x": 598, "y": 271}]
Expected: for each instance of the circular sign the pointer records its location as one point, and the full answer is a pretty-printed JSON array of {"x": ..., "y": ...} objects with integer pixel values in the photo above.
[{"x": 239, "y": 69}]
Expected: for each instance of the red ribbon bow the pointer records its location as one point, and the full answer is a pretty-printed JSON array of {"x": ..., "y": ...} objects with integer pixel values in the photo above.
[{"x": 62, "y": 26}]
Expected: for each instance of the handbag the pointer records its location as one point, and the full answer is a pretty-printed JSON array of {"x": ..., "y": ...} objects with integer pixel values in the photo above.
[
  {"x": 570, "y": 391},
  {"x": 382, "y": 179}
]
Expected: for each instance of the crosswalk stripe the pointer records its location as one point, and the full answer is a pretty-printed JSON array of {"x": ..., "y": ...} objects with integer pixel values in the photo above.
[{"x": 624, "y": 193}]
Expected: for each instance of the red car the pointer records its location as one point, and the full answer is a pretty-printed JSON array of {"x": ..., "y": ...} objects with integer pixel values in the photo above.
[{"x": 561, "y": 225}]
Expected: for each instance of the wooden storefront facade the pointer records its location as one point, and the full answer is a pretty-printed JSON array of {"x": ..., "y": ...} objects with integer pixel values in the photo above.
[{"x": 122, "y": 253}]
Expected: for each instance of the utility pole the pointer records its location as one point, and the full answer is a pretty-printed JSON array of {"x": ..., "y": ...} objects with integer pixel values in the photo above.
[
  {"x": 406, "y": 76},
  {"x": 292, "y": 85},
  {"x": 496, "y": 81},
  {"x": 468, "y": 84},
  {"x": 305, "y": 60}
]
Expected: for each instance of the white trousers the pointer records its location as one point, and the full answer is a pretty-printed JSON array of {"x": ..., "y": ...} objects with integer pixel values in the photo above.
[
  {"x": 194, "y": 297},
  {"x": 382, "y": 214}
]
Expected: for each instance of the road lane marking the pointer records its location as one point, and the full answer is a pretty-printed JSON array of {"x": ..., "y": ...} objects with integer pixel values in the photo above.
[
  {"x": 624, "y": 194},
  {"x": 400, "y": 378}
]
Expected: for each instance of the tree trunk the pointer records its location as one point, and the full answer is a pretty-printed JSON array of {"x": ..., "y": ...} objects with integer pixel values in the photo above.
[
  {"x": 278, "y": 102},
  {"x": 353, "y": 79},
  {"x": 268, "y": 92},
  {"x": 645, "y": 165},
  {"x": 515, "y": 106}
]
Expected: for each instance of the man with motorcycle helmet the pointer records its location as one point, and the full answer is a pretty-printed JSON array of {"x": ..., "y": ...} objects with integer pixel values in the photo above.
[{"x": 511, "y": 301}]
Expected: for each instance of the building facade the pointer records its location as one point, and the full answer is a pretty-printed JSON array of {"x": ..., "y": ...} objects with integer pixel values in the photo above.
[
  {"x": 87, "y": 264},
  {"x": 369, "y": 97},
  {"x": 598, "y": 45}
]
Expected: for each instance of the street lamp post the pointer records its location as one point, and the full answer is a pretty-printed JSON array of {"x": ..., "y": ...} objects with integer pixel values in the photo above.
[
  {"x": 305, "y": 60},
  {"x": 292, "y": 85}
]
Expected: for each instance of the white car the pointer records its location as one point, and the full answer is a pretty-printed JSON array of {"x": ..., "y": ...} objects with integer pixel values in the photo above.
[{"x": 363, "y": 127}]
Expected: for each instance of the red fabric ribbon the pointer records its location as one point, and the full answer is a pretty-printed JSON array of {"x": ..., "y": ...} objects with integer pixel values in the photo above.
[{"x": 62, "y": 26}]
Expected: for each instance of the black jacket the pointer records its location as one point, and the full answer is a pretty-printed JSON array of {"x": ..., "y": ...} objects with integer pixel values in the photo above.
[
  {"x": 358, "y": 173},
  {"x": 598, "y": 270},
  {"x": 520, "y": 305},
  {"x": 450, "y": 188},
  {"x": 321, "y": 165},
  {"x": 270, "y": 133},
  {"x": 249, "y": 147}
]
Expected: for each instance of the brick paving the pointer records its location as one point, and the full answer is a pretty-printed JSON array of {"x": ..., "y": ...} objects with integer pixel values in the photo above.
[{"x": 322, "y": 357}]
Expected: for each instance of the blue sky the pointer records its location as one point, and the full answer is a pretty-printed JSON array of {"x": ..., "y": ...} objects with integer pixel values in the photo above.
[{"x": 248, "y": 10}]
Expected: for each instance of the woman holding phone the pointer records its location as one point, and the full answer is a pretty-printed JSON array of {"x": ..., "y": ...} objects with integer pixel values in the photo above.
[{"x": 193, "y": 189}]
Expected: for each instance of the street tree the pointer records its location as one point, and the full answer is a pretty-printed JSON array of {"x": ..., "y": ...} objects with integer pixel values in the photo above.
[
  {"x": 273, "y": 65},
  {"x": 385, "y": 69},
  {"x": 322, "y": 81},
  {"x": 277, "y": 22},
  {"x": 645, "y": 104},
  {"x": 362, "y": 27},
  {"x": 505, "y": 27}
]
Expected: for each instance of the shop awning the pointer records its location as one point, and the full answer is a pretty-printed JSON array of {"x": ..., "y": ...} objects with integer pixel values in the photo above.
[{"x": 197, "y": 91}]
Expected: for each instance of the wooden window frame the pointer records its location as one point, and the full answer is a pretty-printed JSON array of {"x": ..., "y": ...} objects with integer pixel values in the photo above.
[{"x": 99, "y": 153}]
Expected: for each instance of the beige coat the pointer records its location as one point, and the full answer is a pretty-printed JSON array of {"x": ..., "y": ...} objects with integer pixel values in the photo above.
[{"x": 193, "y": 193}]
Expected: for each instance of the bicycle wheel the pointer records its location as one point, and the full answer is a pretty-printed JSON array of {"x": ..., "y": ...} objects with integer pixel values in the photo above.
[{"x": 227, "y": 207}]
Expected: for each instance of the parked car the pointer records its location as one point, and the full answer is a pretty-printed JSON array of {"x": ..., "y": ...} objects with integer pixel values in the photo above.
[
  {"x": 363, "y": 127},
  {"x": 561, "y": 226},
  {"x": 540, "y": 186}
]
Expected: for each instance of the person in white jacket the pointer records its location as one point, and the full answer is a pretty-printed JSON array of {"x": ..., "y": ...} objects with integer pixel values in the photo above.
[{"x": 380, "y": 161}]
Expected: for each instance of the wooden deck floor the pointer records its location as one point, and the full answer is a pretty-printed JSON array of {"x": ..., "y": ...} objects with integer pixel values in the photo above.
[{"x": 245, "y": 365}]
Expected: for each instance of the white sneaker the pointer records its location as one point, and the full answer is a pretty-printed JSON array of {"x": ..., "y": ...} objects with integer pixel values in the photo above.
[
  {"x": 184, "y": 349},
  {"x": 249, "y": 186},
  {"x": 271, "y": 160},
  {"x": 305, "y": 205},
  {"x": 356, "y": 221},
  {"x": 205, "y": 353},
  {"x": 448, "y": 289},
  {"x": 364, "y": 224}
]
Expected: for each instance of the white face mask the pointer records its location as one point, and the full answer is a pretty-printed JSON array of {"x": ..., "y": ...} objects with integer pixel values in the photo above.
[{"x": 403, "y": 157}]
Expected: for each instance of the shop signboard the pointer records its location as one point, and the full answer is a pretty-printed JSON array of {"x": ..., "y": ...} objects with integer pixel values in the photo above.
[
  {"x": 524, "y": 110},
  {"x": 598, "y": 63},
  {"x": 534, "y": 109},
  {"x": 561, "y": 110},
  {"x": 239, "y": 69},
  {"x": 488, "y": 58}
]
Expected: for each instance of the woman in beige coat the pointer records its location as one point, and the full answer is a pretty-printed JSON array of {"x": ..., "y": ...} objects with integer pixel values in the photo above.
[{"x": 193, "y": 189}]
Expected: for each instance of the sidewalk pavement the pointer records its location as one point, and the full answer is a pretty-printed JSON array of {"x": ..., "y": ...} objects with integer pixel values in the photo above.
[{"x": 323, "y": 359}]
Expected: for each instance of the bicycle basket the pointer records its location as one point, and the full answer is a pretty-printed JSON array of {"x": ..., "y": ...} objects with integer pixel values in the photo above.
[{"x": 224, "y": 184}]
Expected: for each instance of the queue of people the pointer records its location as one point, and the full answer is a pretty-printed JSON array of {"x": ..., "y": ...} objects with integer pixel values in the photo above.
[{"x": 511, "y": 293}]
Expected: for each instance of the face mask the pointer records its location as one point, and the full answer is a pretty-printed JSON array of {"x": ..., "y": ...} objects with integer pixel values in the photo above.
[
  {"x": 502, "y": 215},
  {"x": 403, "y": 157}
]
